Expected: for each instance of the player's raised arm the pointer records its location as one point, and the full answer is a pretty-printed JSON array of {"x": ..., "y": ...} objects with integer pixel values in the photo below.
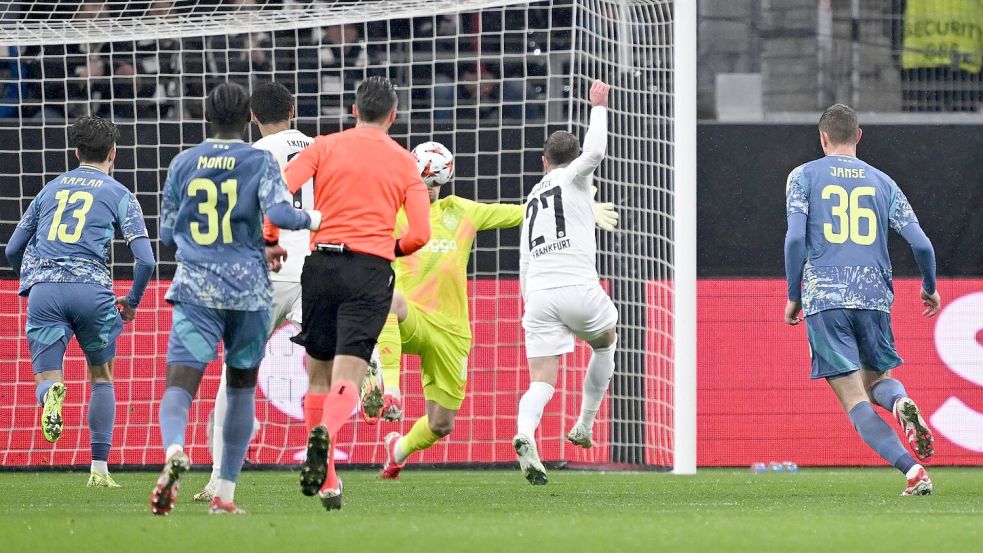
[
  {"x": 493, "y": 216},
  {"x": 417, "y": 207},
  {"x": 596, "y": 139},
  {"x": 275, "y": 201},
  {"x": 22, "y": 236}
]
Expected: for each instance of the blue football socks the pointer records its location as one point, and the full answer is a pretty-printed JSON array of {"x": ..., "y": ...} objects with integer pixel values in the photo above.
[
  {"x": 42, "y": 389},
  {"x": 174, "y": 409},
  {"x": 887, "y": 391},
  {"x": 237, "y": 429},
  {"x": 880, "y": 437},
  {"x": 102, "y": 416}
]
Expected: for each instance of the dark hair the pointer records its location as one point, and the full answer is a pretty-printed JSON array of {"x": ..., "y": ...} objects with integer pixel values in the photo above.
[
  {"x": 375, "y": 98},
  {"x": 561, "y": 148},
  {"x": 271, "y": 102},
  {"x": 839, "y": 122},
  {"x": 227, "y": 107},
  {"x": 94, "y": 137}
]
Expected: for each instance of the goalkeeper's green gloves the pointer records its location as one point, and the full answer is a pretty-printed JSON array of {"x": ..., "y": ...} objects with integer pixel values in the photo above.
[{"x": 605, "y": 217}]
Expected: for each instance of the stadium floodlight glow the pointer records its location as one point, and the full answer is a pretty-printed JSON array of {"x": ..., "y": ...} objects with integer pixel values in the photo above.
[{"x": 490, "y": 80}]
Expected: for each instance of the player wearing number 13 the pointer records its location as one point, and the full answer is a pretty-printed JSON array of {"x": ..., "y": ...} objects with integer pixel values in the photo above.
[
  {"x": 839, "y": 209},
  {"x": 60, "y": 250},
  {"x": 212, "y": 208}
]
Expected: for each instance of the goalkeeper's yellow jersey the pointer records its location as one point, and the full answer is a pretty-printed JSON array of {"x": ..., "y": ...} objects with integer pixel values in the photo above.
[{"x": 435, "y": 278}]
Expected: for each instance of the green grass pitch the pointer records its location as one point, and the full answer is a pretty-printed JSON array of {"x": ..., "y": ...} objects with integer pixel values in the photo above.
[{"x": 726, "y": 511}]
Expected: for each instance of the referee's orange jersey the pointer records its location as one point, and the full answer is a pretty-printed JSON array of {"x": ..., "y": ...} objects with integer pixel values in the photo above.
[{"x": 361, "y": 178}]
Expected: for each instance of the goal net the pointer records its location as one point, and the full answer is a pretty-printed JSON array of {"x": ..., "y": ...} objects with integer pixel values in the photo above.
[{"x": 490, "y": 80}]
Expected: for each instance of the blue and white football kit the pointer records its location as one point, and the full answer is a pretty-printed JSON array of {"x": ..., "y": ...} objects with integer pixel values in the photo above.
[{"x": 844, "y": 275}]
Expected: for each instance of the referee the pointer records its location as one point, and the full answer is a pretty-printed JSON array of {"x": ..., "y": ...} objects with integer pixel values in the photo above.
[{"x": 361, "y": 179}]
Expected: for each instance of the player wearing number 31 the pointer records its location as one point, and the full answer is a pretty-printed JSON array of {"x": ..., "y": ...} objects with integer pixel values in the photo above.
[
  {"x": 560, "y": 285},
  {"x": 839, "y": 209},
  {"x": 212, "y": 208}
]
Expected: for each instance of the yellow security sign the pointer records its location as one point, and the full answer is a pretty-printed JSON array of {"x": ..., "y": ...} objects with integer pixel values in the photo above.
[{"x": 943, "y": 33}]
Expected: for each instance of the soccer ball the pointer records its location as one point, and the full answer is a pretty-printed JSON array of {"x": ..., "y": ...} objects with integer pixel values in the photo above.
[{"x": 435, "y": 162}]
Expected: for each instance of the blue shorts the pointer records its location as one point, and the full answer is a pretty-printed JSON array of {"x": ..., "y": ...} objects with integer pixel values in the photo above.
[
  {"x": 196, "y": 331},
  {"x": 842, "y": 341},
  {"x": 57, "y": 310}
]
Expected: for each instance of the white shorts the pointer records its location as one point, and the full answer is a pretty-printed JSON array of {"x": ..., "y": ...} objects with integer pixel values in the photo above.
[
  {"x": 286, "y": 304},
  {"x": 554, "y": 316}
]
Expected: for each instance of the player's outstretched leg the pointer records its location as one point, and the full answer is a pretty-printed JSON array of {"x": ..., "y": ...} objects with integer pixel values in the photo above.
[
  {"x": 531, "y": 408},
  {"x": 877, "y": 434},
  {"x": 102, "y": 417},
  {"x": 51, "y": 396},
  {"x": 532, "y": 468},
  {"x": 596, "y": 381},
  {"x": 890, "y": 394},
  {"x": 423, "y": 435}
]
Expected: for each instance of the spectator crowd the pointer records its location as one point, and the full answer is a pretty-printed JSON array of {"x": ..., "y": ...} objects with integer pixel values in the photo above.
[{"x": 487, "y": 65}]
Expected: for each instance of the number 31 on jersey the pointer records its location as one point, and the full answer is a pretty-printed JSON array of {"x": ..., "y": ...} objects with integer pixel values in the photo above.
[{"x": 209, "y": 209}]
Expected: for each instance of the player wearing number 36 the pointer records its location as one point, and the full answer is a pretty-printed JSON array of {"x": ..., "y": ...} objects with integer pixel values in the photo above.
[
  {"x": 560, "y": 285},
  {"x": 839, "y": 210},
  {"x": 212, "y": 208}
]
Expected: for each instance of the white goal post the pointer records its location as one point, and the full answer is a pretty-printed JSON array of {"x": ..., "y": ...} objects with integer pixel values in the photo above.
[{"x": 490, "y": 79}]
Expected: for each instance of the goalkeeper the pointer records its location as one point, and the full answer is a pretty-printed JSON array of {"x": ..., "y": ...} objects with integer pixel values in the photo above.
[{"x": 429, "y": 315}]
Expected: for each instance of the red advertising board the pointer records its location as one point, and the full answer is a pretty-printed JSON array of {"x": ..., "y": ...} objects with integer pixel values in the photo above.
[{"x": 756, "y": 402}]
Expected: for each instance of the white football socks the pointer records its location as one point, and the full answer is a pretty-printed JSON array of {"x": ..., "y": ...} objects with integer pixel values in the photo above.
[
  {"x": 531, "y": 407},
  {"x": 100, "y": 467},
  {"x": 172, "y": 449},
  {"x": 913, "y": 471},
  {"x": 398, "y": 453},
  {"x": 596, "y": 382},
  {"x": 226, "y": 490},
  {"x": 218, "y": 422}
]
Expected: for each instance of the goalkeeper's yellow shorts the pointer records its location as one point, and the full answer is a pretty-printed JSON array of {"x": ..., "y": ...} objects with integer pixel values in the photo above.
[{"x": 443, "y": 357}]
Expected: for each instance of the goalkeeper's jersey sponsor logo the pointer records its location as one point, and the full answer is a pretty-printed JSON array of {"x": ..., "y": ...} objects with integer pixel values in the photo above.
[{"x": 441, "y": 246}]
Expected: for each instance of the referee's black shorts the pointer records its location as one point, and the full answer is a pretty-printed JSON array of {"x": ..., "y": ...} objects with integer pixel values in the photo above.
[{"x": 346, "y": 298}]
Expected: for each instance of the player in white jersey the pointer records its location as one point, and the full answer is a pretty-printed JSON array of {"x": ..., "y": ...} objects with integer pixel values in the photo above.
[
  {"x": 273, "y": 108},
  {"x": 560, "y": 285}
]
